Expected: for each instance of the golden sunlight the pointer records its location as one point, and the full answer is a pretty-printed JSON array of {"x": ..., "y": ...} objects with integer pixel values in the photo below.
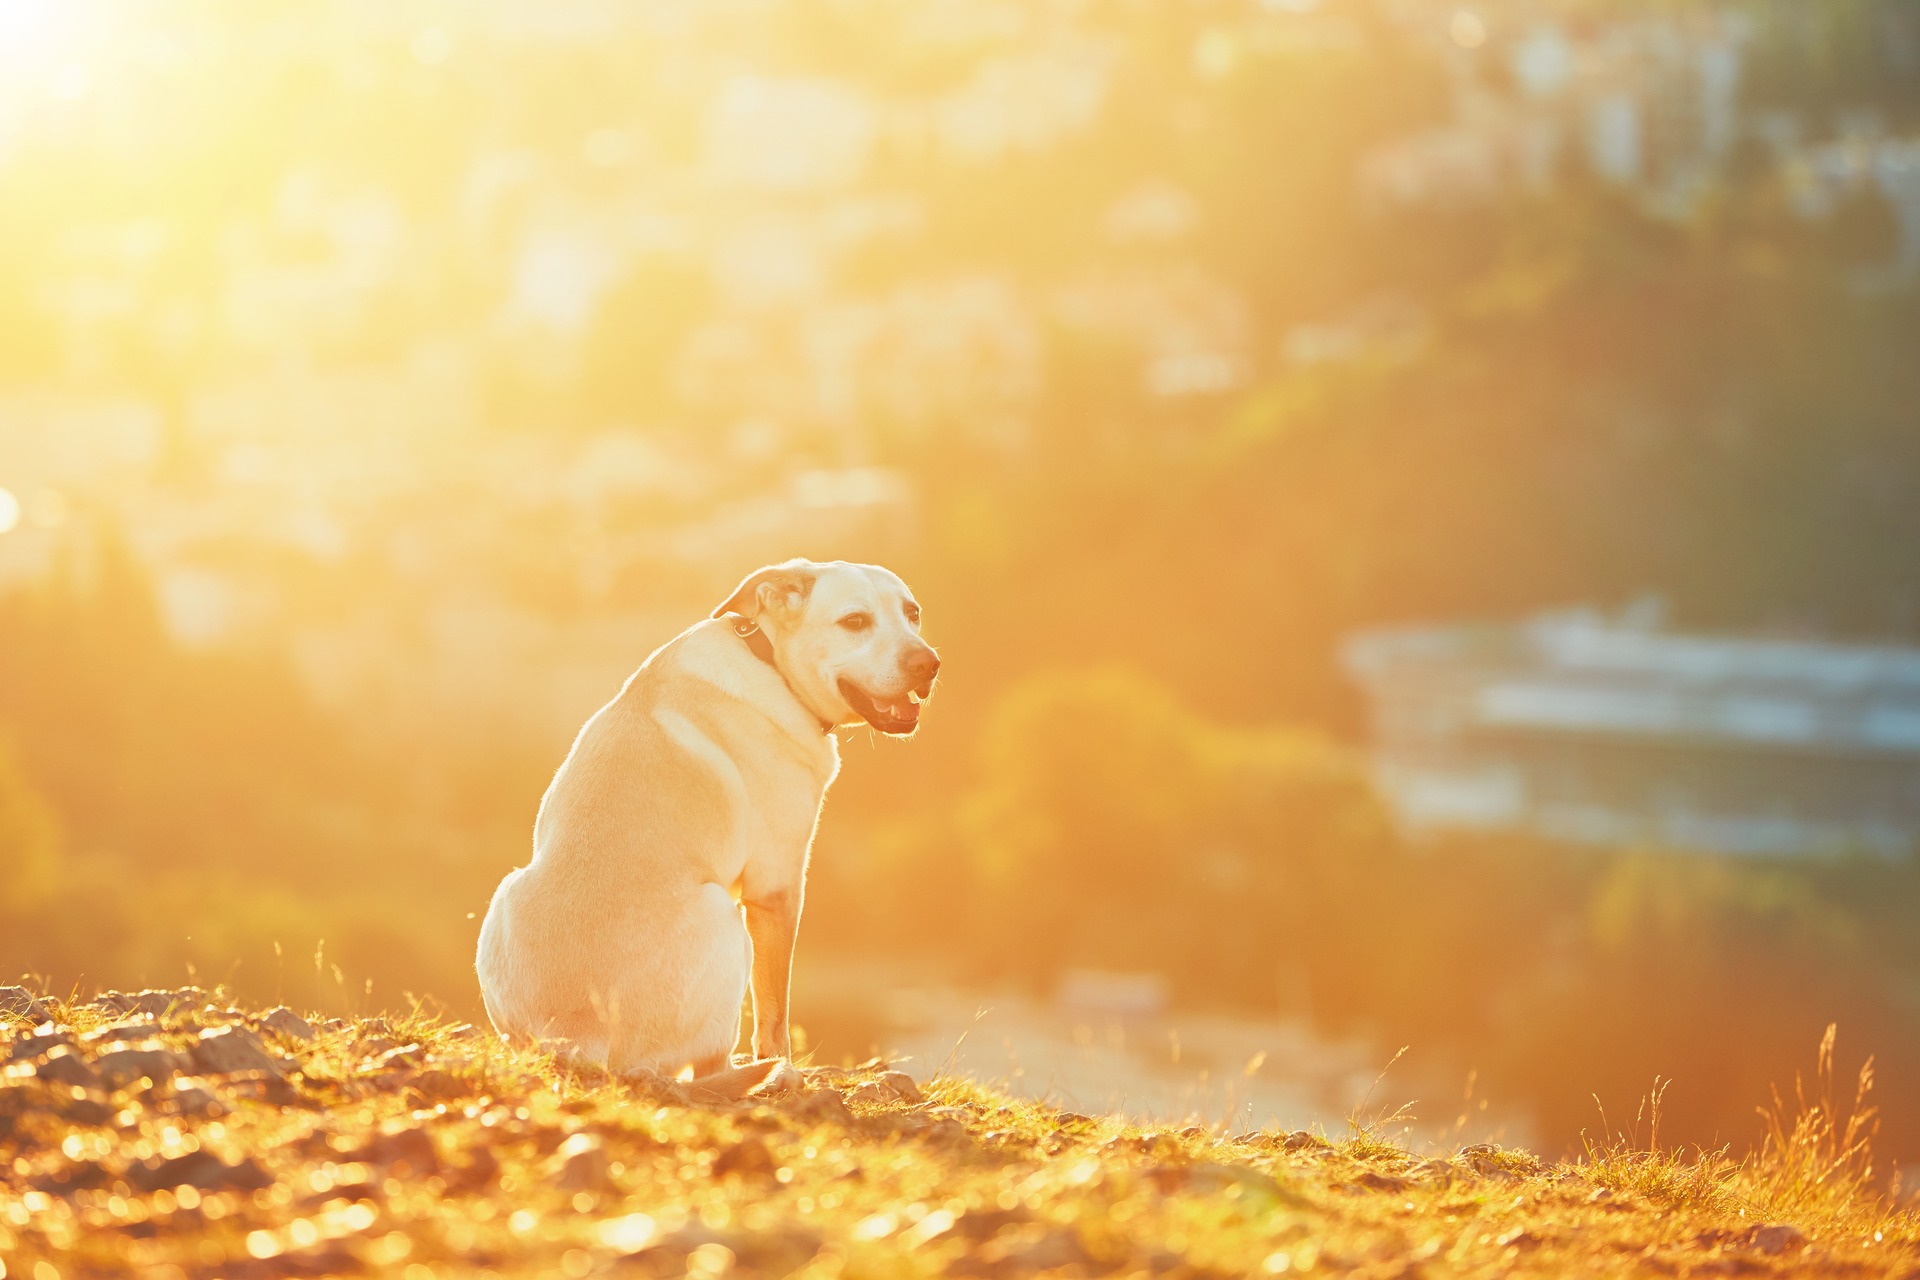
[{"x": 1291, "y": 529}]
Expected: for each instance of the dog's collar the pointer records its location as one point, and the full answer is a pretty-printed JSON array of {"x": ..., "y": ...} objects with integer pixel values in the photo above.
[{"x": 762, "y": 648}]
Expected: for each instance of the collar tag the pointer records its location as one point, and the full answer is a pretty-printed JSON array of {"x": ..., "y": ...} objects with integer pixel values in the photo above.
[{"x": 761, "y": 647}]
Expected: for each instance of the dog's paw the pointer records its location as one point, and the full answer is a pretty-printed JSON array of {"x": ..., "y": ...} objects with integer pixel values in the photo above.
[{"x": 783, "y": 1079}]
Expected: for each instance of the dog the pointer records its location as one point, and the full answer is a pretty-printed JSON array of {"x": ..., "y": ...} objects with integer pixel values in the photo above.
[{"x": 670, "y": 850}]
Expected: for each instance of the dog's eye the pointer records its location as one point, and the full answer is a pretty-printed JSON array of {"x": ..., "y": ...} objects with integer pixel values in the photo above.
[
  {"x": 913, "y": 614},
  {"x": 857, "y": 621}
]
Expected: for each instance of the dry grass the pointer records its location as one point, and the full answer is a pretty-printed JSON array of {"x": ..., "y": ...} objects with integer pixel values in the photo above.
[
  {"x": 1671, "y": 1178},
  {"x": 1815, "y": 1163},
  {"x": 404, "y": 1146}
]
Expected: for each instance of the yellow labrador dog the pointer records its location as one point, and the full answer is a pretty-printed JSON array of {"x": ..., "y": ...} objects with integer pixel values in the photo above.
[{"x": 687, "y": 803}]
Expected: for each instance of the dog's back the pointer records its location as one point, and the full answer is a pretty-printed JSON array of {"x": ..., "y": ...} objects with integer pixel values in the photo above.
[{"x": 612, "y": 939}]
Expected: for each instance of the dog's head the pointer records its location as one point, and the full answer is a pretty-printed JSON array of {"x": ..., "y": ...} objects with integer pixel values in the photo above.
[{"x": 846, "y": 637}]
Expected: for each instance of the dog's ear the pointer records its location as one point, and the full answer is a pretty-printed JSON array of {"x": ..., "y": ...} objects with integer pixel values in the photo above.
[{"x": 782, "y": 588}]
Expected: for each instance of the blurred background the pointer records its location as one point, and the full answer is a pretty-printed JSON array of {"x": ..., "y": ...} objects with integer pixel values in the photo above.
[{"x": 1419, "y": 500}]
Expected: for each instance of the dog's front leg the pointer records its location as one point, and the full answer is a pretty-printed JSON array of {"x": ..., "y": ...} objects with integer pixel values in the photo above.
[{"x": 773, "y": 922}]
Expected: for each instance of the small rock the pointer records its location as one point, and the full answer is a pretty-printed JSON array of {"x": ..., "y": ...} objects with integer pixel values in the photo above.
[
  {"x": 747, "y": 1156},
  {"x": 398, "y": 1058},
  {"x": 35, "y": 1047},
  {"x": 22, "y": 1004},
  {"x": 903, "y": 1086},
  {"x": 407, "y": 1152},
  {"x": 1036, "y": 1248},
  {"x": 464, "y": 1031},
  {"x": 979, "y": 1225},
  {"x": 481, "y": 1170},
  {"x": 1167, "y": 1178},
  {"x": 457, "y": 1060},
  {"x": 1380, "y": 1182},
  {"x": 1210, "y": 1176},
  {"x": 193, "y": 1100},
  {"x": 1488, "y": 1169},
  {"x": 872, "y": 1094},
  {"x": 669, "y": 1255},
  {"x": 435, "y": 1085},
  {"x": 200, "y": 1169},
  {"x": 121, "y": 1067},
  {"x": 1299, "y": 1139},
  {"x": 264, "y": 1087},
  {"x": 63, "y": 1066},
  {"x": 82, "y": 1175},
  {"x": 945, "y": 1132},
  {"x": 779, "y": 1250},
  {"x": 88, "y": 1111},
  {"x": 1778, "y": 1238},
  {"x": 120, "y": 1034},
  {"x": 581, "y": 1164},
  {"x": 287, "y": 1023},
  {"x": 546, "y": 1138},
  {"x": 152, "y": 1003},
  {"x": 1484, "y": 1152},
  {"x": 898, "y": 1122},
  {"x": 699, "y": 1250},
  {"x": 232, "y": 1051},
  {"x": 818, "y": 1106}
]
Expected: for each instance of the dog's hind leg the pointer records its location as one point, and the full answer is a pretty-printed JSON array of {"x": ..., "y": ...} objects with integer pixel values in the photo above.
[{"x": 685, "y": 1011}]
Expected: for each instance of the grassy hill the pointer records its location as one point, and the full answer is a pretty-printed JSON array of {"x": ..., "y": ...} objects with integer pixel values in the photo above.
[{"x": 168, "y": 1134}]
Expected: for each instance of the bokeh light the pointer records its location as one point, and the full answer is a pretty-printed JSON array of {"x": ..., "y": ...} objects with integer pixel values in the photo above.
[{"x": 1467, "y": 29}]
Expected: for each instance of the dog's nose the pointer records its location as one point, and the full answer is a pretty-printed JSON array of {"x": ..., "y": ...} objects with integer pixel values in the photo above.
[{"x": 923, "y": 665}]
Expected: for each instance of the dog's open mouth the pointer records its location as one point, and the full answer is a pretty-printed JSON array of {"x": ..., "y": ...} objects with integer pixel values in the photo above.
[{"x": 894, "y": 715}]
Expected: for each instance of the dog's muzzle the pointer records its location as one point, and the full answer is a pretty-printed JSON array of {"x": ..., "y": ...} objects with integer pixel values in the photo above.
[{"x": 898, "y": 714}]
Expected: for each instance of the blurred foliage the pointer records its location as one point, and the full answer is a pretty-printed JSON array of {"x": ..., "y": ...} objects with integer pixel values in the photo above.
[
  {"x": 1101, "y": 791},
  {"x": 209, "y": 815},
  {"x": 1109, "y": 825},
  {"x": 30, "y": 843}
]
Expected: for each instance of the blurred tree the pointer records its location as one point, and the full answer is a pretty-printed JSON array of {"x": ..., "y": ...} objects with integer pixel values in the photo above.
[
  {"x": 30, "y": 839},
  {"x": 1865, "y": 230},
  {"x": 1114, "y": 827}
]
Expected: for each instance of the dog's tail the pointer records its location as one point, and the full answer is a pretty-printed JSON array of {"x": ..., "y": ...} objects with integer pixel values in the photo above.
[
  {"x": 764, "y": 1077},
  {"x": 751, "y": 1079}
]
